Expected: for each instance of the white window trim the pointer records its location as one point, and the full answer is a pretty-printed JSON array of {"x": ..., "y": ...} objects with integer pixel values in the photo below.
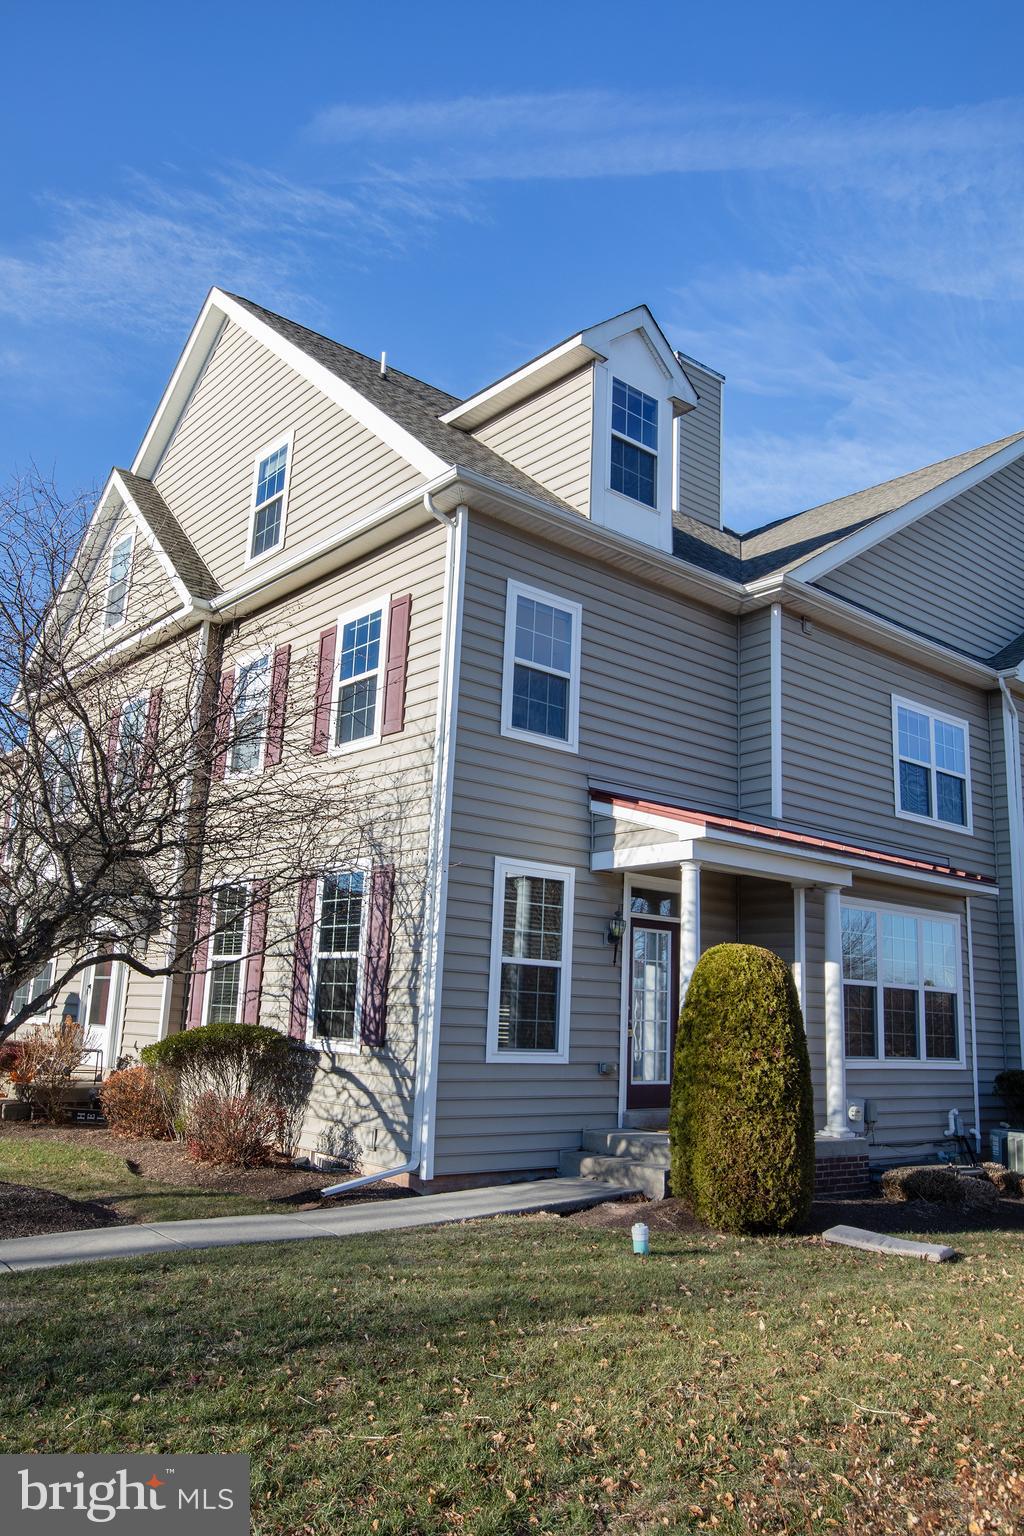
[
  {"x": 330, "y": 1044},
  {"x": 74, "y": 762},
  {"x": 502, "y": 869},
  {"x": 242, "y": 958},
  {"x": 50, "y": 970},
  {"x": 360, "y": 611},
  {"x": 285, "y": 440},
  {"x": 138, "y": 698},
  {"x": 947, "y": 719},
  {"x": 516, "y": 590},
  {"x": 633, "y": 501},
  {"x": 244, "y": 661},
  {"x": 917, "y": 1063},
  {"x": 129, "y": 537}
]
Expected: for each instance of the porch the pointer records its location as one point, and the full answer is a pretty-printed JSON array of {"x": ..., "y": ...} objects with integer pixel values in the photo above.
[{"x": 690, "y": 880}]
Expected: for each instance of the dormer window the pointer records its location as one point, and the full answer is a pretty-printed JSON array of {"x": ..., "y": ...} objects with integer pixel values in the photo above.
[
  {"x": 269, "y": 498},
  {"x": 634, "y": 443}
]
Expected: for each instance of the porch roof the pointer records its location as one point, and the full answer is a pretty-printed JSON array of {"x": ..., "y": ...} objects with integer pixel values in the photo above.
[{"x": 771, "y": 851}]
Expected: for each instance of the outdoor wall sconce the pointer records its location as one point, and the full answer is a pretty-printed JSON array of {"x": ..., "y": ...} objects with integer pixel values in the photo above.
[{"x": 616, "y": 928}]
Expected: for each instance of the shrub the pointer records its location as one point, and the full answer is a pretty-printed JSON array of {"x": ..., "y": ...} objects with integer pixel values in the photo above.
[
  {"x": 1005, "y": 1181},
  {"x": 1010, "y": 1087},
  {"x": 235, "y": 1129},
  {"x": 928, "y": 1182},
  {"x": 134, "y": 1106},
  {"x": 10, "y": 1055},
  {"x": 741, "y": 1125},
  {"x": 47, "y": 1058},
  {"x": 236, "y": 1064}
]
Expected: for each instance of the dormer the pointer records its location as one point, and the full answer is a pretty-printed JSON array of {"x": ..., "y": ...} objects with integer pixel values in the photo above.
[{"x": 594, "y": 421}]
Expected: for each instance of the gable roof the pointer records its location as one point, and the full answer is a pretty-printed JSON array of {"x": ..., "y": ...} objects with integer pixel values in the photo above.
[
  {"x": 415, "y": 406},
  {"x": 185, "y": 560}
]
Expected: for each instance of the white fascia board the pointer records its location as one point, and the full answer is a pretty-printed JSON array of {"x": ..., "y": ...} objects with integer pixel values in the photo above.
[
  {"x": 218, "y": 308},
  {"x": 796, "y": 595},
  {"x": 154, "y": 543},
  {"x": 547, "y": 369},
  {"x": 601, "y": 337},
  {"x": 816, "y": 566}
]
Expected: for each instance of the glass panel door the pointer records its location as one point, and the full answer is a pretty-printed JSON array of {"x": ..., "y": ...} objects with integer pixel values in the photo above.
[{"x": 651, "y": 1010}]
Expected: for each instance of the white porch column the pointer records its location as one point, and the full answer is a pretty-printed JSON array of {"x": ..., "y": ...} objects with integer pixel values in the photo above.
[
  {"x": 836, "y": 1124},
  {"x": 800, "y": 947},
  {"x": 689, "y": 924}
]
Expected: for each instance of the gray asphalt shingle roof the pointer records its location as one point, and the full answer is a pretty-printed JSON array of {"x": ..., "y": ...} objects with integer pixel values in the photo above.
[{"x": 171, "y": 536}]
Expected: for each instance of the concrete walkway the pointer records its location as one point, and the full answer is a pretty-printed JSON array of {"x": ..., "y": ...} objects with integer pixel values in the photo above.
[{"x": 17, "y": 1253}]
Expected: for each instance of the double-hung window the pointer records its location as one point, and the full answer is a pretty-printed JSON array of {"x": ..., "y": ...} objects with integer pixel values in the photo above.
[
  {"x": 902, "y": 993},
  {"x": 932, "y": 756},
  {"x": 336, "y": 991},
  {"x": 63, "y": 756},
  {"x": 227, "y": 950},
  {"x": 531, "y": 962},
  {"x": 29, "y": 991},
  {"x": 249, "y": 726},
  {"x": 634, "y": 447},
  {"x": 118, "y": 577},
  {"x": 131, "y": 739},
  {"x": 357, "y": 677},
  {"x": 540, "y": 691},
  {"x": 269, "y": 498}
]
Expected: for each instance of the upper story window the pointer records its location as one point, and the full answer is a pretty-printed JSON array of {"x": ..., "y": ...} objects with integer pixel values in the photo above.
[
  {"x": 540, "y": 693},
  {"x": 269, "y": 498},
  {"x": 251, "y": 704},
  {"x": 336, "y": 991},
  {"x": 634, "y": 461},
  {"x": 118, "y": 576},
  {"x": 531, "y": 951},
  {"x": 131, "y": 737},
  {"x": 901, "y": 986},
  {"x": 932, "y": 755},
  {"x": 63, "y": 757},
  {"x": 357, "y": 676},
  {"x": 227, "y": 947}
]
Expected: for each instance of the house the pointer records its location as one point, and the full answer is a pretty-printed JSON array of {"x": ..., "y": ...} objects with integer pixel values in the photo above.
[{"x": 623, "y": 734}]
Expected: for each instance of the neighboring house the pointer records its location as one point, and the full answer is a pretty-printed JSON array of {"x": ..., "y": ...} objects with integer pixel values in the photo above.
[{"x": 623, "y": 734}]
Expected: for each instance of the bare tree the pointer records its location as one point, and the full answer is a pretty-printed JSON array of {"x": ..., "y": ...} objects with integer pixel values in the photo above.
[{"x": 125, "y": 798}]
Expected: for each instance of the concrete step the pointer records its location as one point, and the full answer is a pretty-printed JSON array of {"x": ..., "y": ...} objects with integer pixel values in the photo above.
[
  {"x": 639, "y": 1146},
  {"x": 646, "y": 1119},
  {"x": 621, "y": 1172}
]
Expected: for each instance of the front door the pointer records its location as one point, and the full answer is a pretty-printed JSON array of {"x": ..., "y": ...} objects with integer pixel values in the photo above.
[
  {"x": 102, "y": 1014},
  {"x": 652, "y": 1003}
]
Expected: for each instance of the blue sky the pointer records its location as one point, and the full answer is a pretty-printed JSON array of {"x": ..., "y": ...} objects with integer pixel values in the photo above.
[{"x": 826, "y": 203}]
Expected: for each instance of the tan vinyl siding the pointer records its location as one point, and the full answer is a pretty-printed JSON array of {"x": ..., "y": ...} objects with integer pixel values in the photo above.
[
  {"x": 658, "y": 709},
  {"x": 245, "y": 400},
  {"x": 838, "y": 748},
  {"x": 700, "y": 450},
  {"x": 755, "y": 714},
  {"x": 956, "y": 575},
  {"x": 141, "y": 1012},
  {"x": 550, "y": 437},
  {"x": 368, "y": 1091}
]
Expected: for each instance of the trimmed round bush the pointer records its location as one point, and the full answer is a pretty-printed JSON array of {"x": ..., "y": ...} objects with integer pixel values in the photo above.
[
  {"x": 217, "y": 1044},
  {"x": 741, "y": 1126}
]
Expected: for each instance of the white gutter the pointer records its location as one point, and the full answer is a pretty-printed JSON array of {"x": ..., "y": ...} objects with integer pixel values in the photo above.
[
  {"x": 974, "y": 1026},
  {"x": 421, "y": 1139},
  {"x": 1015, "y": 817}
]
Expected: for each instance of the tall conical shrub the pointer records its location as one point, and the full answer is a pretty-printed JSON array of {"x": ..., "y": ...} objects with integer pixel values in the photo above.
[{"x": 742, "y": 1119}]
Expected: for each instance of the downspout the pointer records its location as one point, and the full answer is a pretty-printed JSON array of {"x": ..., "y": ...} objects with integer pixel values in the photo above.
[
  {"x": 421, "y": 1139},
  {"x": 1015, "y": 816},
  {"x": 974, "y": 1027}
]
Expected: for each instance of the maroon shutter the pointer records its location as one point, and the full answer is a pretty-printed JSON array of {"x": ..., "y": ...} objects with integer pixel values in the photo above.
[
  {"x": 112, "y": 740},
  {"x": 257, "y": 945},
  {"x": 151, "y": 737},
  {"x": 225, "y": 712},
  {"x": 278, "y": 699},
  {"x": 324, "y": 686},
  {"x": 374, "y": 1023},
  {"x": 395, "y": 666},
  {"x": 304, "y": 919},
  {"x": 197, "y": 987}
]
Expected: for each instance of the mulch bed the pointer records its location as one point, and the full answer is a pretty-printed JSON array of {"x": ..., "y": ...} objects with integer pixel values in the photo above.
[
  {"x": 26, "y": 1212},
  {"x": 876, "y": 1214}
]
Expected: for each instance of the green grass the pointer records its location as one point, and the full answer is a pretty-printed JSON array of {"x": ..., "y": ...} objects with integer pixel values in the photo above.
[
  {"x": 519, "y": 1376},
  {"x": 89, "y": 1173}
]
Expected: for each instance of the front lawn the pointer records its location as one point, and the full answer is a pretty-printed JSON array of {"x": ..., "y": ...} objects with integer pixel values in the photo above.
[{"x": 529, "y": 1375}]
